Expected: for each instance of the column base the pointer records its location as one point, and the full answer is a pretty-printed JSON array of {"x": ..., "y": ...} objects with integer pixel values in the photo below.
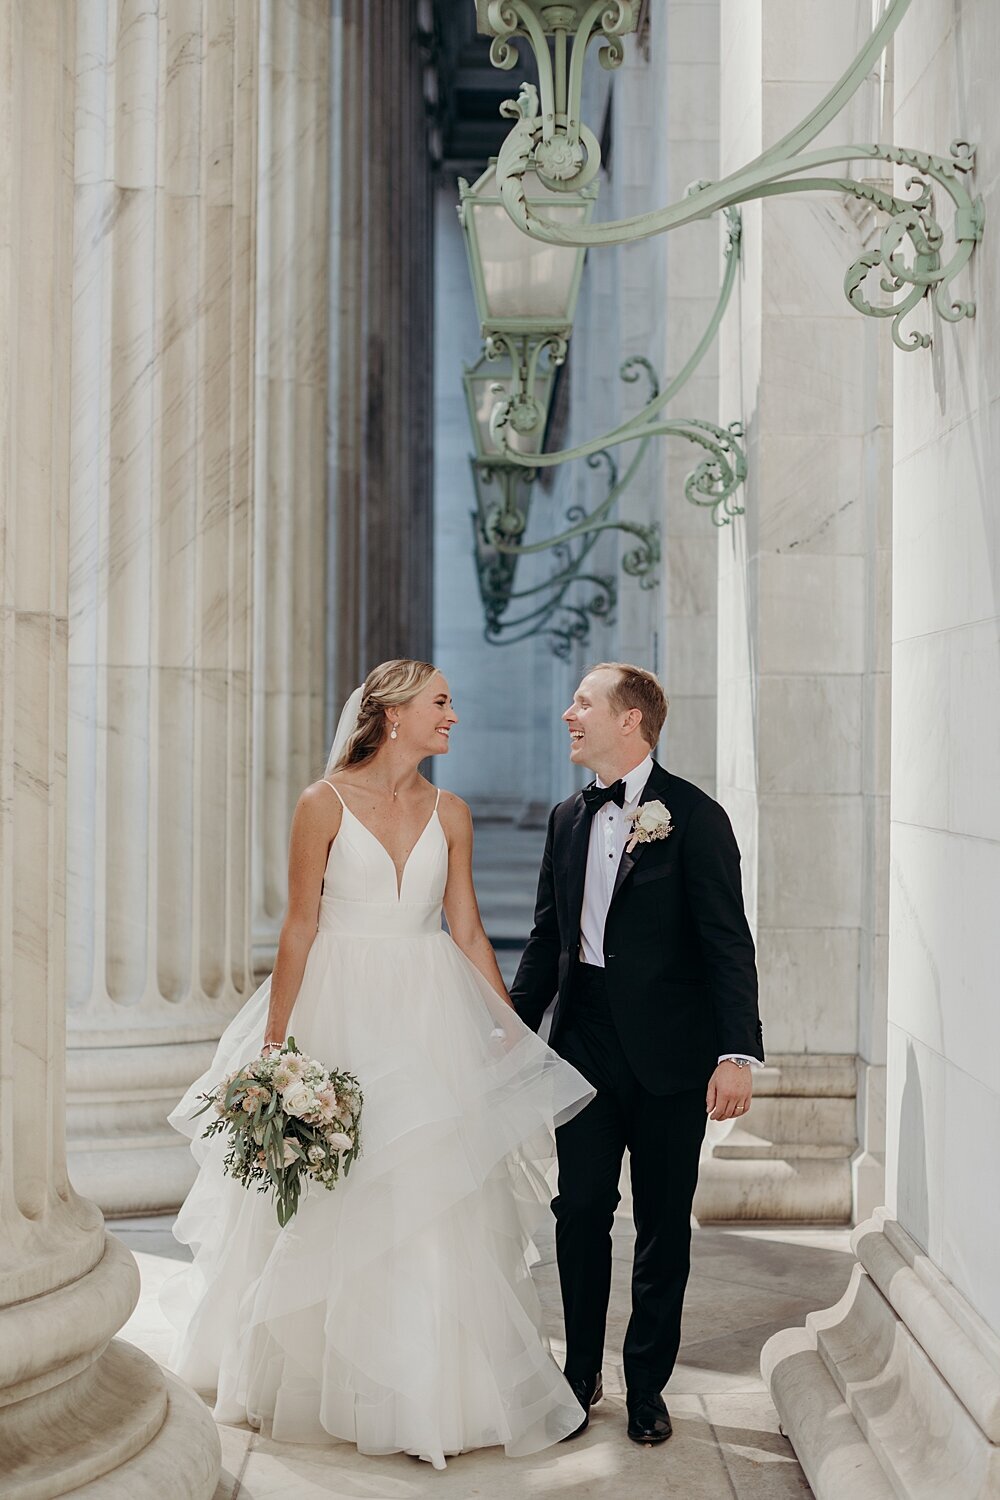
[
  {"x": 183, "y": 1462},
  {"x": 82, "y": 1413},
  {"x": 121, "y": 1153},
  {"x": 791, "y": 1158},
  {"x": 896, "y": 1389},
  {"x": 121, "y": 1429}
]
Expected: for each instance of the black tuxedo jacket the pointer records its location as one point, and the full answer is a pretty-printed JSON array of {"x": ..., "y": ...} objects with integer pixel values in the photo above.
[{"x": 679, "y": 958}]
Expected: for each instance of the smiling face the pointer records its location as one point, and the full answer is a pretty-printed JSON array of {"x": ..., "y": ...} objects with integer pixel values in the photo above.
[
  {"x": 425, "y": 722},
  {"x": 607, "y": 742}
]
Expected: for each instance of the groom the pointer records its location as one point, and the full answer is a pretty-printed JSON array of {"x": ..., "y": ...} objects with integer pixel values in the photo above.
[{"x": 640, "y": 933}]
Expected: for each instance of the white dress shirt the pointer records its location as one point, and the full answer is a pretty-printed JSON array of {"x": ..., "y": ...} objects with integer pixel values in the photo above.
[
  {"x": 608, "y": 836},
  {"x": 609, "y": 833}
]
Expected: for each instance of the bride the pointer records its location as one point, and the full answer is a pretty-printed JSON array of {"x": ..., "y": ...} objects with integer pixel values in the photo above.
[{"x": 396, "y": 1312}]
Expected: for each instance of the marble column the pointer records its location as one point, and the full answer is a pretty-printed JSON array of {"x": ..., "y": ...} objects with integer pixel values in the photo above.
[
  {"x": 80, "y": 1411},
  {"x": 381, "y": 341},
  {"x": 896, "y": 1389},
  {"x": 803, "y": 632},
  {"x": 290, "y": 488},
  {"x": 158, "y": 894},
  {"x": 666, "y": 124}
]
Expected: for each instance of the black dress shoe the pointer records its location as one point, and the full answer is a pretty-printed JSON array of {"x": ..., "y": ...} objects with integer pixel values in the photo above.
[
  {"x": 588, "y": 1390},
  {"x": 648, "y": 1418}
]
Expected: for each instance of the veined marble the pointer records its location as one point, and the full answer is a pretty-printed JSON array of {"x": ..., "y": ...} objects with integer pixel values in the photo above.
[
  {"x": 904, "y": 1373},
  {"x": 803, "y": 620},
  {"x": 80, "y": 1411},
  {"x": 160, "y": 527},
  {"x": 290, "y": 474}
]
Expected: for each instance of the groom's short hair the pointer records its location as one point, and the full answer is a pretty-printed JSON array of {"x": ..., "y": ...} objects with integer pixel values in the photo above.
[{"x": 637, "y": 688}]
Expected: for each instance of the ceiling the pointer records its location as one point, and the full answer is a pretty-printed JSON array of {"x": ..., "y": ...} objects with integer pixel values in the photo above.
[{"x": 470, "y": 89}]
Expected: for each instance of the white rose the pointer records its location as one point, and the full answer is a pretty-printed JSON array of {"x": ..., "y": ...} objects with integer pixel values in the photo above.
[
  {"x": 652, "y": 815},
  {"x": 290, "y": 1154},
  {"x": 298, "y": 1100},
  {"x": 338, "y": 1141}
]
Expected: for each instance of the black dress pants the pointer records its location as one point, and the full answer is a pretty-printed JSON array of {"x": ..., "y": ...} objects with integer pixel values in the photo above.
[{"x": 663, "y": 1134}]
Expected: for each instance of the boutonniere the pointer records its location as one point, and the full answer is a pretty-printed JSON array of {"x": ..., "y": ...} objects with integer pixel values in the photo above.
[{"x": 649, "y": 821}]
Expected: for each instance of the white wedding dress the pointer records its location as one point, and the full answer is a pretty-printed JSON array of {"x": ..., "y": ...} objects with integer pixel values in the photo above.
[{"x": 397, "y": 1311}]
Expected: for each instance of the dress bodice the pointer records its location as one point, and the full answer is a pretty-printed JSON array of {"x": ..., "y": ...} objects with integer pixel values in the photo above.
[{"x": 361, "y": 893}]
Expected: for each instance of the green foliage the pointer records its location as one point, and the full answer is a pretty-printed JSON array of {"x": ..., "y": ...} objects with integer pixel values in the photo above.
[{"x": 273, "y": 1149}]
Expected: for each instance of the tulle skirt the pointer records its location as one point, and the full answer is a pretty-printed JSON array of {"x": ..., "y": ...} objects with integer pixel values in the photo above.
[{"x": 396, "y": 1311}]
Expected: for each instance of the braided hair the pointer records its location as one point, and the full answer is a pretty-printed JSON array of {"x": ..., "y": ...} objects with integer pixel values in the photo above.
[{"x": 388, "y": 685}]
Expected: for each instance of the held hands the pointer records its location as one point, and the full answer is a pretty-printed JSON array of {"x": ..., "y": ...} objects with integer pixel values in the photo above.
[{"x": 729, "y": 1091}]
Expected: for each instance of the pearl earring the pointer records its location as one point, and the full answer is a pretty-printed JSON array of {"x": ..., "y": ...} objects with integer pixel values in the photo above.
[{"x": 394, "y": 732}]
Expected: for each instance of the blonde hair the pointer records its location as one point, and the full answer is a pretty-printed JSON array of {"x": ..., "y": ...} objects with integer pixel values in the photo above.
[
  {"x": 389, "y": 685},
  {"x": 637, "y": 688}
]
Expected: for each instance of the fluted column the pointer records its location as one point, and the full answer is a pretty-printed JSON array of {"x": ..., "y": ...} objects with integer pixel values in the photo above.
[
  {"x": 803, "y": 631},
  {"x": 160, "y": 554},
  {"x": 290, "y": 439},
  {"x": 79, "y": 1410},
  {"x": 895, "y": 1390},
  {"x": 381, "y": 342}
]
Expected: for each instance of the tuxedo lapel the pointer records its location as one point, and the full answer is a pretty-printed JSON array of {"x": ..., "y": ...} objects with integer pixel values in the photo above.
[
  {"x": 655, "y": 785},
  {"x": 576, "y": 872}
]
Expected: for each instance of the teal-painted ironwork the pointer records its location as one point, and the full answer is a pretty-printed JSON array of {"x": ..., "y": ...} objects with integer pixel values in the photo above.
[
  {"x": 549, "y": 140},
  {"x": 715, "y": 481},
  {"x": 564, "y": 605},
  {"x": 508, "y": 460}
]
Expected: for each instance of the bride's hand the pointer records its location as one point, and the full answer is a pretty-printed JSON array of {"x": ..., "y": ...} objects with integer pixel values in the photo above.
[{"x": 268, "y": 1047}]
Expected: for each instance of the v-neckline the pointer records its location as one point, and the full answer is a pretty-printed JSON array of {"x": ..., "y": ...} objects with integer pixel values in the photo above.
[{"x": 399, "y": 874}]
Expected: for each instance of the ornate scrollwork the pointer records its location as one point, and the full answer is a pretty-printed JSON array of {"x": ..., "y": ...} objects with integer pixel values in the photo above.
[
  {"x": 909, "y": 275},
  {"x": 924, "y": 273},
  {"x": 520, "y": 410},
  {"x": 564, "y": 605},
  {"x": 715, "y": 481}
]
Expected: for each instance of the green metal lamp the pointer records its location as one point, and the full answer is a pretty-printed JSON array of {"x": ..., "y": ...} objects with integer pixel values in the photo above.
[
  {"x": 522, "y": 285},
  {"x": 489, "y": 382},
  {"x": 526, "y": 294}
]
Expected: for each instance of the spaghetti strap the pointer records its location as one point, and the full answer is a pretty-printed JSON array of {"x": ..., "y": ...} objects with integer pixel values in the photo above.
[
  {"x": 334, "y": 790},
  {"x": 437, "y": 799}
]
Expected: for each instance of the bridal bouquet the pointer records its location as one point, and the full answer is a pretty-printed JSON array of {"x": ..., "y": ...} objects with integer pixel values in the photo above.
[{"x": 287, "y": 1117}]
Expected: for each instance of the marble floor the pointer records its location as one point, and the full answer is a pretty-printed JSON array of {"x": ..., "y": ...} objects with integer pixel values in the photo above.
[{"x": 746, "y": 1283}]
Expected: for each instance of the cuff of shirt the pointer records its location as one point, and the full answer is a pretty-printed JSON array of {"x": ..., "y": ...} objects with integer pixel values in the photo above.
[{"x": 754, "y": 1062}]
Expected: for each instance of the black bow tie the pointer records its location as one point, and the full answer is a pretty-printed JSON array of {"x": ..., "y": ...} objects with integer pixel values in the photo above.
[{"x": 595, "y": 796}]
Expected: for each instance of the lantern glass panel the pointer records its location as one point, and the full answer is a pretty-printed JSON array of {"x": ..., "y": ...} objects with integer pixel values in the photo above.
[
  {"x": 524, "y": 278},
  {"x": 483, "y": 398}
]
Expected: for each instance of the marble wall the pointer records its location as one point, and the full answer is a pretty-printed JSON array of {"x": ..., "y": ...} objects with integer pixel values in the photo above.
[
  {"x": 79, "y": 1409},
  {"x": 943, "y": 1106},
  {"x": 906, "y": 1368},
  {"x": 803, "y": 620}
]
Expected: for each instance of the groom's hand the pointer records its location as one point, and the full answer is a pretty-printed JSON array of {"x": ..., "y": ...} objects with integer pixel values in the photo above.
[{"x": 729, "y": 1092}]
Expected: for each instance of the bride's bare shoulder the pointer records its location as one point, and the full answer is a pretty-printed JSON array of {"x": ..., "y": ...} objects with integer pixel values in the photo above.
[
  {"x": 320, "y": 805},
  {"x": 454, "y": 814}
]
